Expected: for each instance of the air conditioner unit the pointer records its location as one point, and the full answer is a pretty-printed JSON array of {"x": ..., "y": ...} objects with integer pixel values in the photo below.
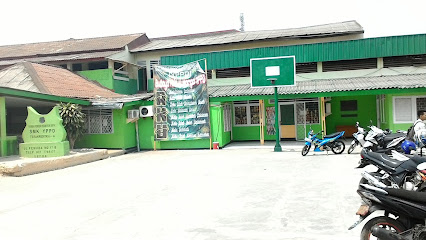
[
  {"x": 132, "y": 114},
  {"x": 146, "y": 111}
]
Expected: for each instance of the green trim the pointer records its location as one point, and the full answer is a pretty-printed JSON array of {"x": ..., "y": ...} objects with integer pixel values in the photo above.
[
  {"x": 317, "y": 52},
  {"x": 320, "y": 94},
  {"x": 38, "y": 96}
]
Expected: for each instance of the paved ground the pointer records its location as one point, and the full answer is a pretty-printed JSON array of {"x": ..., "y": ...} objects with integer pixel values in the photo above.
[{"x": 239, "y": 192}]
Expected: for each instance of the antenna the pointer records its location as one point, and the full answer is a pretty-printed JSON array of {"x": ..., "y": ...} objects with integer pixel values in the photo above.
[{"x": 242, "y": 22}]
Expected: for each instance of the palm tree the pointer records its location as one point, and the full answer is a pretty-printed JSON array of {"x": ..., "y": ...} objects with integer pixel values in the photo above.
[{"x": 73, "y": 121}]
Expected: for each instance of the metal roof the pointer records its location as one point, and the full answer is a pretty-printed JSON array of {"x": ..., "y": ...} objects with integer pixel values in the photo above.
[
  {"x": 67, "y": 46},
  {"x": 315, "y": 52},
  {"x": 55, "y": 58},
  {"x": 326, "y": 85},
  {"x": 332, "y": 29}
]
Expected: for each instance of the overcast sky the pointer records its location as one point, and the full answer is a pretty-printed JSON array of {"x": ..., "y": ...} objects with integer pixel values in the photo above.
[{"x": 29, "y": 21}]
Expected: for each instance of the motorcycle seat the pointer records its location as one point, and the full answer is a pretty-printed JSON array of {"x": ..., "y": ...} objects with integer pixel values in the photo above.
[
  {"x": 384, "y": 158},
  {"x": 392, "y": 136},
  {"x": 416, "y": 158},
  {"x": 419, "y": 197},
  {"x": 332, "y": 135}
]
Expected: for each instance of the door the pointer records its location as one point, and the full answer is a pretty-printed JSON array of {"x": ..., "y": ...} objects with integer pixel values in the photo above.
[{"x": 287, "y": 123}]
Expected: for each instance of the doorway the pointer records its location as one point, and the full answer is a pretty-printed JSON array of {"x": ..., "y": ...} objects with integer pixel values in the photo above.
[{"x": 287, "y": 122}]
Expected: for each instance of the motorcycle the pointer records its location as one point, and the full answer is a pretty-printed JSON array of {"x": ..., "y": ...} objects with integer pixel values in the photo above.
[
  {"x": 404, "y": 213},
  {"x": 378, "y": 140},
  {"x": 359, "y": 138},
  {"x": 330, "y": 142},
  {"x": 396, "y": 171}
]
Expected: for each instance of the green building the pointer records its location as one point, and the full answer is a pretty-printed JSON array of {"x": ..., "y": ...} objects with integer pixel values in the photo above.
[{"x": 341, "y": 78}]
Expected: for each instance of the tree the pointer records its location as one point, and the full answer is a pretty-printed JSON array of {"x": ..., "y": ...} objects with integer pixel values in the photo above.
[{"x": 73, "y": 121}]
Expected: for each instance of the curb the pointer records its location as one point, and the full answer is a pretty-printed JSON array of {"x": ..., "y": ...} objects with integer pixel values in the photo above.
[{"x": 27, "y": 166}]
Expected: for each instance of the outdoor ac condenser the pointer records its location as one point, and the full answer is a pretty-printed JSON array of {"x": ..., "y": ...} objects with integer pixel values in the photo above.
[
  {"x": 146, "y": 111},
  {"x": 132, "y": 114}
]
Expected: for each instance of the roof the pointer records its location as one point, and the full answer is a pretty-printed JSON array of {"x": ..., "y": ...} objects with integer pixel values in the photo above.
[
  {"x": 52, "y": 80},
  {"x": 56, "y": 58},
  {"x": 225, "y": 37},
  {"x": 326, "y": 85},
  {"x": 69, "y": 46}
]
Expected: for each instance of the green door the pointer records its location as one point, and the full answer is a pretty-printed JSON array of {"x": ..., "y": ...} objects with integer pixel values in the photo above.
[{"x": 288, "y": 127}]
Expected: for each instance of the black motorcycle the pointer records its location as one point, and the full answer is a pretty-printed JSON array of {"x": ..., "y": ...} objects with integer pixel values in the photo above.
[
  {"x": 399, "y": 171},
  {"x": 383, "y": 141},
  {"x": 404, "y": 213}
]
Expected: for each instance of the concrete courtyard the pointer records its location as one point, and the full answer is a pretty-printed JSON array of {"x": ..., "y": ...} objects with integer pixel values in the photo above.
[{"x": 238, "y": 192}]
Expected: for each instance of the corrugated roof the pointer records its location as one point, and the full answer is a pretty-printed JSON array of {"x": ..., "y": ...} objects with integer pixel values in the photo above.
[
  {"x": 326, "y": 85},
  {"x": 52, "y": 80},
  {"x": 341, "y": 28},
  {"x": 68, "y": 57},
  {"x": 67, "y": 46}
]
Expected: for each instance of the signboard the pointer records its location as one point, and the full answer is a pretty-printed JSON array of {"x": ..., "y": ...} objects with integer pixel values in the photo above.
[
  {"x": 181, "y": 103},
  {"x": 273, "y": 72},
  {"x": 44, "y": 135}
]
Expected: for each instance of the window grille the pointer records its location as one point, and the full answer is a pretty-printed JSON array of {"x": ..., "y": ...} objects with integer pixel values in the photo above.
[
  {"x": 233, "y": 72},
  {"x": 343, "y": 65},
  {"x": 153, "y": 63},
  {"x": 246, "y": 113},
  {"x": 404, "y": 61},
  {"x": 306, "y": 67},
  {"x": 98, "y": 121}
]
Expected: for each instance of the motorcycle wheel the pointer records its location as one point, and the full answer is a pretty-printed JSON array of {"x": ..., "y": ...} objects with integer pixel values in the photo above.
[
  {"x": 338, "y": 147},
  {"x": 384, "y": 222},
  {"x": 351, "y": 148},
  {"x": 305, "y": 150}
]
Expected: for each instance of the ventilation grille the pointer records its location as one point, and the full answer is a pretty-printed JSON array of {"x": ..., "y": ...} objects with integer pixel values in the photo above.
[
  {"x": 404, "y": 61},
  {"x": 306, "y": 67},
  {"x": 349, "y": 65},
  {"x": 233, "y": 72}
]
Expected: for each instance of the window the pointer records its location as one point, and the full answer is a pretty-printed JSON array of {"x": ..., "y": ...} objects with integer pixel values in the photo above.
[
  {"x": 355, "y": 64},
  {"x": 246, "y": 113},
  {"x": 402, "y": 61},
  {"x": 233, "y": 72},
  {"x": 405, "y": 108},
  {"x": 227, "y": 119},
  {"x": 350, "y": 105},
  {"x": 98, "y": 65},
  {"x": 99, "y": 121},
  {"x": 153, "y": 63},
  {"x": 306, "y": 67},
  {"x": 77, "y": 67}
]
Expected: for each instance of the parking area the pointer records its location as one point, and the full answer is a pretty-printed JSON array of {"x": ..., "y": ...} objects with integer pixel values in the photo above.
[{"x": 233, "y": 193}]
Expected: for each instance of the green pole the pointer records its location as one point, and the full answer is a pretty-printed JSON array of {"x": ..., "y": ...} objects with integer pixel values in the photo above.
[{"x": 277, "y": 147}]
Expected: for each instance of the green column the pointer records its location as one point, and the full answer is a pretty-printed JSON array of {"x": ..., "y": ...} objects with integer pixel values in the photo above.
[
  {"x": 277, "y": 147},
  {"x": 3, "y": 142}
]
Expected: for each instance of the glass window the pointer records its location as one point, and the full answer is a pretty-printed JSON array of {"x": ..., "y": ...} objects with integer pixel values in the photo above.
[
  {"x": 403, "y": 109},
  {"x": 240, "y": 115},
  {"x": 246, "y": 113},
  {"x": 254, "y": 114}
]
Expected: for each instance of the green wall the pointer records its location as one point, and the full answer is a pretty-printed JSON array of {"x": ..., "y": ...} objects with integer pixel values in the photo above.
[
  {"x": 366, "y": 111},
  {"x": 102, "y": 76},
  {"x": 389, "y": 111},
  {"x": 124, "y": 135},
  {"x": 126, "y": 87},
  {"x": 105, "y": 78}
]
